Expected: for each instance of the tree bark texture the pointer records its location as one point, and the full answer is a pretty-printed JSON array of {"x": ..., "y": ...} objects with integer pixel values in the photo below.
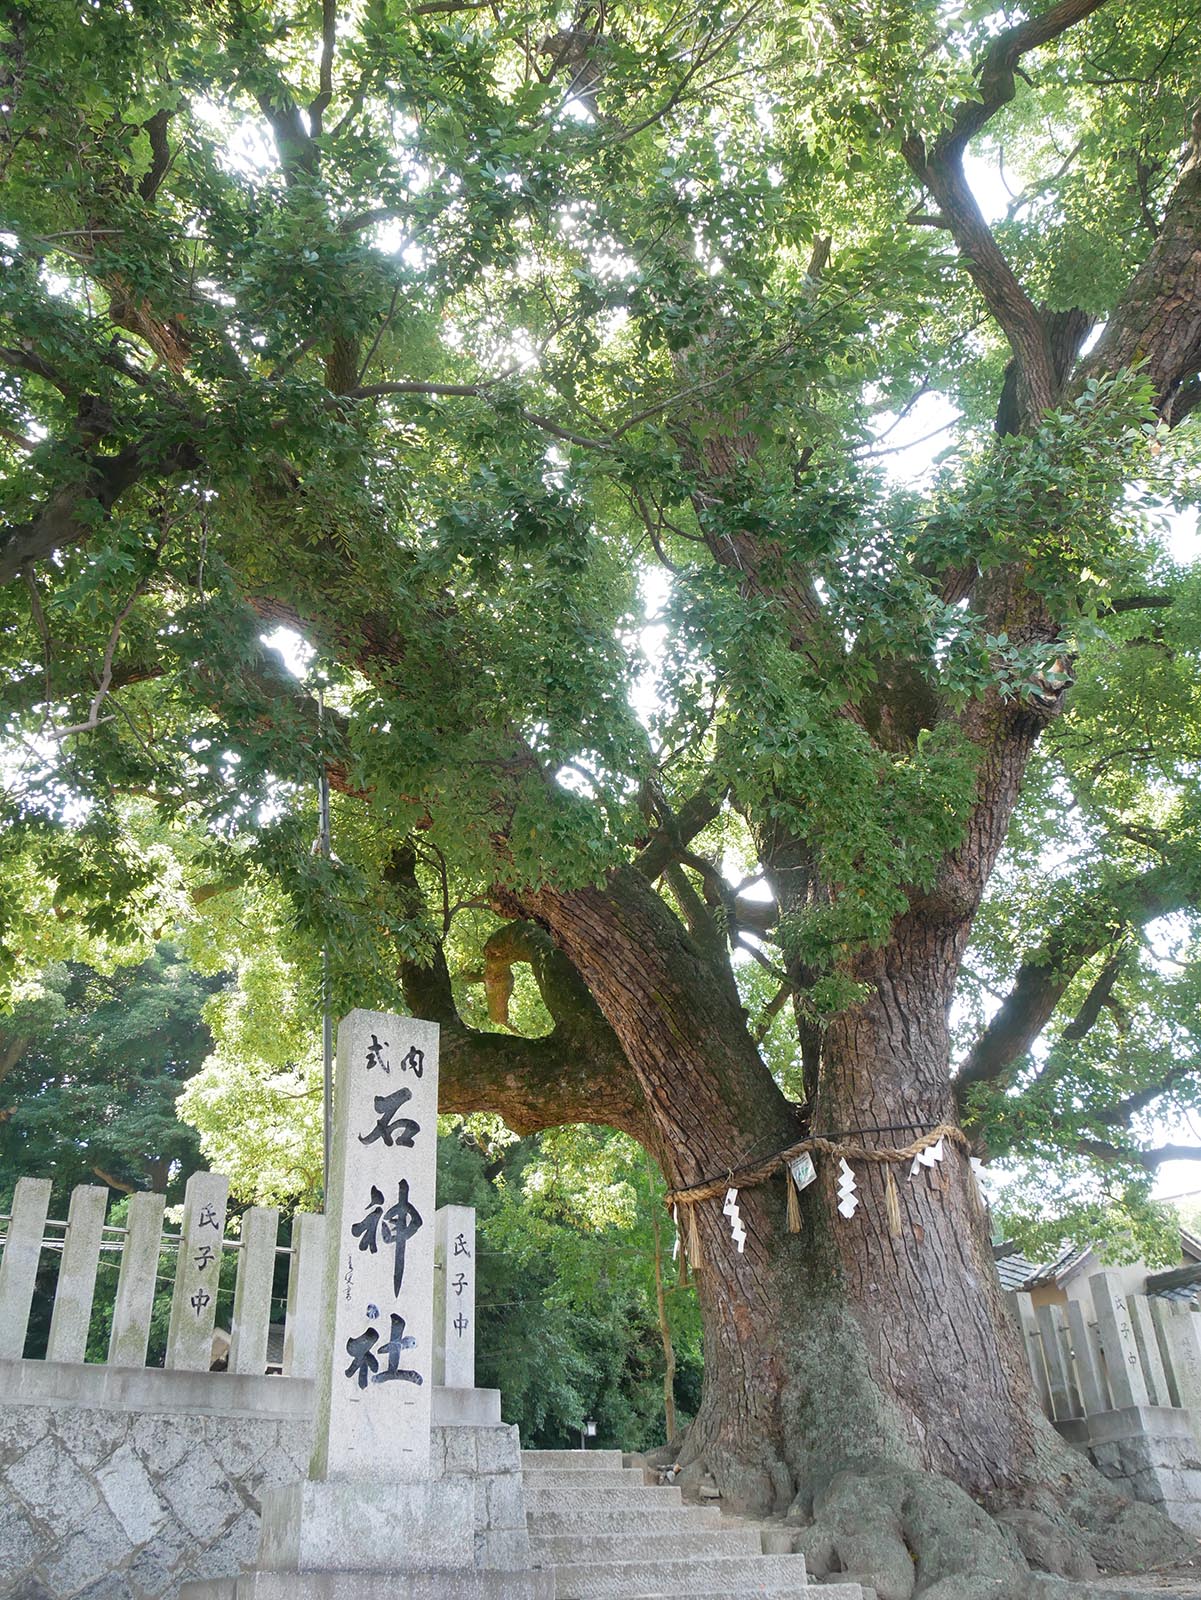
[
  {"x": 871, "y": 1384},
  {"x": 806, "y": 1334},
  {"x": 928, "y": 1302}
]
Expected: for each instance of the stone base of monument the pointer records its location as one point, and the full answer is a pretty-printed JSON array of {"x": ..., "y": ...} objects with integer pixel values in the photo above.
[
  {"x": 363, "y": 1527},
  {"x": 451, "y": 1584},
  {"x": 460, "y": 1533},
  {"x": 480, "y": 1407}
]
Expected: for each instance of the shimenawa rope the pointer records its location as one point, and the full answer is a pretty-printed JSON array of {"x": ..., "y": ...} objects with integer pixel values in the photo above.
[{"x": 748, "y": 1177}]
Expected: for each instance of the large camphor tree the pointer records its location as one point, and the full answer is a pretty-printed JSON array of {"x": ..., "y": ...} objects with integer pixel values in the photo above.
[{"x": 449, "y": 335}]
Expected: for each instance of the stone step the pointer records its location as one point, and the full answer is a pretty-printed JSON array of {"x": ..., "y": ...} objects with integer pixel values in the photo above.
[
  {"x": 824, "y": 1591},
  {"x": 570, "y": 1497},
  {"x": 595, "y": 1460},
  {"x": 631, "y": 1545},
  {"x": 542, "y": 1477},
  {"x": 684, "y": 1576},
  {"x": 623, "y": 1518}
]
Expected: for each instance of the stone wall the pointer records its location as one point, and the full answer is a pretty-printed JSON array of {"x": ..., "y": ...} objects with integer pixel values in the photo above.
[
  {"x": 120, "y": 1484},
  {"x": 1151, "y": 1453},
  {"x": 124, "y": 1483}
]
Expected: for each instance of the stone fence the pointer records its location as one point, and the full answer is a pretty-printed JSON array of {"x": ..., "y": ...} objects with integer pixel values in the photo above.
[
  {"x": 141, "y": 1250},
  {"x": 122, "y": 1481},
  {"x": 1119, "y": 1374},
  {"x": 1110, "y": 1349}
]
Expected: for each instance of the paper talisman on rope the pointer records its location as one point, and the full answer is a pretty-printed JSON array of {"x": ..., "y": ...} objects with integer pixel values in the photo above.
[
  {"x": 730, "y": 1209},
  {"x": 977, "y": 1166},
  {"x": 803, "y": 1171},
  {"x": 926, "y": 1158},
  {"x": 848, "y": 1200}
]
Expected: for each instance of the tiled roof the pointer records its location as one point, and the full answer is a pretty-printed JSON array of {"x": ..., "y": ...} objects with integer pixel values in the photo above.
[
  {"x": 1181, "y": 1283},
  {"x": 1175, "y": 1283},
  {"x": 1063, "y": 1266},
  {"x": 1013, "y": 1268},
  {"x": 1013, "y": 1271},
  {"x": 1185, "y": 1294}
]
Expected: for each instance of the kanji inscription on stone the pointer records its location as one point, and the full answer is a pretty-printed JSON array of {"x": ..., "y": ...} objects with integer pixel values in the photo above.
[
  {"x": 454, "y": 1296},
  {"x": 376, "y": 1375}
]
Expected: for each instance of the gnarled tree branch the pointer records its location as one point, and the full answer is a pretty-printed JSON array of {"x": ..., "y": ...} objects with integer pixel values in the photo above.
[
  {"x": 939, "y": 166},
  {"x": 1045, "y": 975},
  {"x": 676, "y": 832},
  {"x": 576, "y": 1073},
  {"x": 1157, "y": 326},
  {"x": 68, "y": 516},
  {"x": 998, "y": 70},
  {"x": 1150, "y": 1159}
]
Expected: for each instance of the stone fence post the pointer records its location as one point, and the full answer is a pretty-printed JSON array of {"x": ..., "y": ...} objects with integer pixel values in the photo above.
[{"x": 454, "y": 1297}]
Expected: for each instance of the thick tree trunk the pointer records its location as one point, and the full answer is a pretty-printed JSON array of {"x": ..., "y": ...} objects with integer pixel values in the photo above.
[
  {"x": 928, "y": 1302},
  {"x": 915, "y": 1309},
  {"x": 881, "y": 1345},
  {"x": 710, "y": 1105},
  {"x": 843, "y": 1366}
]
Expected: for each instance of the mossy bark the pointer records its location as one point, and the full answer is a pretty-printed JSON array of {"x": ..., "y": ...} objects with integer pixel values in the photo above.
[
  {"x": 866, "y": 1382},
  {"x": 844, "y": 1354}
]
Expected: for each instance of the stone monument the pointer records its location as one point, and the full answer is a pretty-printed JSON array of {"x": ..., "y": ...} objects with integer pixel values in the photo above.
[{"x": 393, "y": 1506}]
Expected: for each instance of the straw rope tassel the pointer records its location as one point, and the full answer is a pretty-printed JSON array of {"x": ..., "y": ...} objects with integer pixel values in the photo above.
[
  {"x": 892, "y": 1204},
  {"x": 694, "y": 1240},
  {"x": 794, "y": 1203},
  {"x": 681, "y": 1251}
]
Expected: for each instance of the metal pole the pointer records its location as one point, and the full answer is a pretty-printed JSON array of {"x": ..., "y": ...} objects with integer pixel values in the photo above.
[{"x": 327, "y": 1024}]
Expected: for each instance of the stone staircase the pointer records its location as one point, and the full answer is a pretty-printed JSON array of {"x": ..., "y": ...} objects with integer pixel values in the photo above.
[{"x": 611, "y": 1536}]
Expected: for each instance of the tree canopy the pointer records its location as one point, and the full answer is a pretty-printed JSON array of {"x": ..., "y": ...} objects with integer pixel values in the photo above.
[
  {"x": 95, "y": 1065},
  {"x": 463, "y": 341},
  {"x": 575, "y": 265}
]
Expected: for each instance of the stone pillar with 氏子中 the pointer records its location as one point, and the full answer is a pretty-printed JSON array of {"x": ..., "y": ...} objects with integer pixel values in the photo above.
[{"x": 454, "y": 1297}]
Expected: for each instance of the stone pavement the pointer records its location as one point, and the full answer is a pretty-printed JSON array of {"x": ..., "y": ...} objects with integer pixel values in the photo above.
[{"x": 1180, "y": 1585}]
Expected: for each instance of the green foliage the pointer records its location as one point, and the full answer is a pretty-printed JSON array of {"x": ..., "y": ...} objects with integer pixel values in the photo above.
[
  {"x": 1104, "y": 855},
  {"x": 459, "y": 372},
  {"x": 1045, "y": 1204},
  {"x": 567, "y": 1326},
  {"x": 93, "y": 1094},
  {"x": 1053, "y": 499}
]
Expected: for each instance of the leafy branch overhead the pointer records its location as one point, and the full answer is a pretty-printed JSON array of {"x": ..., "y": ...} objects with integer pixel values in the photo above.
[
  {"x": 325, "y": 341},
  {"x": 540, "y": 382}
]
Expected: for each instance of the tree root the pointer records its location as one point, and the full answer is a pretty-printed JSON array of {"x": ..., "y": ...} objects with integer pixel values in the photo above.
[
  {"x": 911, "y": 1535},
  {"x": 903, "y": 1533},
  {"x": 1072, "y": 1513}
]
